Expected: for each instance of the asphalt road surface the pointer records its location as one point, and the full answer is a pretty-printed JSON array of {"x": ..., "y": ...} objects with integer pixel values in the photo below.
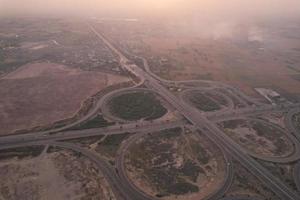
[
  {"x": 208, "y": 127},
  {"x": 204, "y": 122}
]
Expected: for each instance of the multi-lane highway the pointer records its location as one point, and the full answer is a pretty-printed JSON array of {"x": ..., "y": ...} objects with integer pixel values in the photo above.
[
  {"x": 291, "y": 156},
  {"x": 297, "y": 175},
  {"x": 204, "y": 122},
  {"x": 120, "y": 161},
  {"x": 120, "y": 190},
  {"x": 290, "y": 124},
  {"x": 249, "y": 111},
  {"x": 11, "y": 141},
  {"x": 206, "y": 126},
  {"x": 241, "y": 197}
]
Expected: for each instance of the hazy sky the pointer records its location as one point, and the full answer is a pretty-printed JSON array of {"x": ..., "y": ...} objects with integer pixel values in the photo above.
[{"x": 201, "y": 8}]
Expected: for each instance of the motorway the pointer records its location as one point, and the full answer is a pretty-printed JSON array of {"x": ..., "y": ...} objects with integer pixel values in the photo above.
[
  {"x": 297, "y": 175},
  {"x": 206, "y": 126},
  {"x": 120, "y": 188},
  {"x": 291, "y": 156},
  {"x": 241, "y": 197},
  {"x": 249, "y": 111},
  {"x": 123, "y": 176},
  {"x": 204, "y": 122},
  {"x": 234, "y": 91},
  {"x": 11, "y": 141},
  {"x": 290, "y": 124},
  {"x": 121, "y": 191}
]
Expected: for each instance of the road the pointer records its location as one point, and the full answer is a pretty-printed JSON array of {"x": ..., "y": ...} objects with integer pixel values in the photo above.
[
  {"x": 120, "y": 163},
  {"x": 241, "y": 197},
  {"x": 234, "y": 91},
  {"x": 204, "y": 122},
  {"x": 292, "y": 156},
  {"x": 206, "y": 126},
  {"x": 121, "y": 191},
  {"x": 297, "y": 175},
  {"x": 290, "y": 124},
  {"x": 249, "y": 111},
  {"x": 13, "y": 140},
  {"x": 120, "y": 160}
]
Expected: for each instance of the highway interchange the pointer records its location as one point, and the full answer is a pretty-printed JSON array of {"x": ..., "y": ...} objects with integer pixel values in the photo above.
[{"x": 204, "y": 122}]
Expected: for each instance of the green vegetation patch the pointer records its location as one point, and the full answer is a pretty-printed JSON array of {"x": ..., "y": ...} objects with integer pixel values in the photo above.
[
  {"x": 110, "y": 145},
  {"x": 202, "y": 154},
  {"x": 182, "y": 188},
  {"x": 272, "y": 134},
  {"x": 21, "y": 152},
  {"x": 96, "y": 122},
  {"x": 203, "y": 102},
  {"x": 281, "y": 171},
  {"x": 86, "y": 141},
  {"x": 232, "y": 124},
  {"x": 258, "y": 136},
  {"x": 167, "y": 164},
  {"x": 137, "y": 105}
]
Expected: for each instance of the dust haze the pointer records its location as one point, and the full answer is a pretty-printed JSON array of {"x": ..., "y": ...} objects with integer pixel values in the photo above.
[{"x": 204, "y": 9}]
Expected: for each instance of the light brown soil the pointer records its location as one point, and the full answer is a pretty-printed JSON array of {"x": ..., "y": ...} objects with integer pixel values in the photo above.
[
  {"x": 170, "y": 154},
  {"x": 58, "y": 175},
  {"x": 244, "y": 67},
  {"x": 42, "y": 93},
  {"x": 247, "y": 184},
  {"x": 278, "y": 144},
  {"x": 277, "y": 118}
]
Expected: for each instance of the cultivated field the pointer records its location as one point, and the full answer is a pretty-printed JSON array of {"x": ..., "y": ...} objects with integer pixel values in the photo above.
[{"x": 41, "y": 93}]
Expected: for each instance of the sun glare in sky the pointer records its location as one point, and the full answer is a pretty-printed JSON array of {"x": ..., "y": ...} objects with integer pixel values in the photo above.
[{"x": 206, "y": 8}]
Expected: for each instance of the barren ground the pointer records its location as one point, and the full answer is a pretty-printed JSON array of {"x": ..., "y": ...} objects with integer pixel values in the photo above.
[
  {"x": 174, "y": 166},
  {"x": 243, "y": 66},
  {"x": 42, "y": 93},
  {"x": 268, "y": 57},
  {"x": 259, "y": 138},
  {"x": 59, "y": 175},
  {"x": 245, "y": 183}
]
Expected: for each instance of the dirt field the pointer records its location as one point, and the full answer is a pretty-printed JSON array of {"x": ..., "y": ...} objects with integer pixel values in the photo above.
[
  {"x": 277, "y": 118},
  {"x": 245, "y": 183},
  {"x": 42, "y": 93},
  {"x": 224, "y": 61},
  {"x": 173, "y": 166},
  {"x": 252, "y": 55},
  {"x": 258, "y": 137},
  {"x": 33, "y": 178}
]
